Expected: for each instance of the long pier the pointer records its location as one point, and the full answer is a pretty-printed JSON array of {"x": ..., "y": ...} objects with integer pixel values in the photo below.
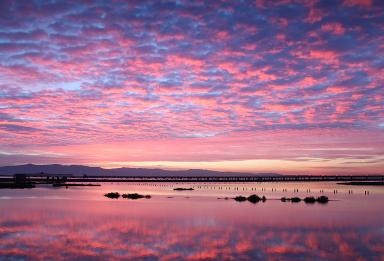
[{"x": 52, "y": 178}]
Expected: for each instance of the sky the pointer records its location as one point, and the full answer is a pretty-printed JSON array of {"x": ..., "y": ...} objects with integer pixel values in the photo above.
[{"x": 294, "y": 87}]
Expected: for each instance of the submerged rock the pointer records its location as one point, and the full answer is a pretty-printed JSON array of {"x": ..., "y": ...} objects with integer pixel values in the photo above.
[
  {"x": 252, "y": 198},
  {"x": 112, "y": 195},
  {"x": 322, "y": 199},
  {"x": 135, "y": 196},
  {"x": 309, "y": 200},
  {"x": 240, "y": 198},
  {"x": 295, "y": 199},
  {"x": 256, "y": 198}
]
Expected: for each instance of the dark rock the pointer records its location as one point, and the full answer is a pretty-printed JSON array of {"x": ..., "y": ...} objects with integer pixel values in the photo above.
[
  {"x": 295, "y": 199},
  {"x": 112, "y": 195},
  {"x": 322, "y": 199},
  {"x": 309, "y": 200},
  {"x": 135, "y": 196},
  {"x": 254, "y": 198},
  {"x": 240, "y": 198}
]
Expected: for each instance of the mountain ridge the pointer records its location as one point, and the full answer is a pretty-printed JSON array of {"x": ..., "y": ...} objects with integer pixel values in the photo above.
[{"x": 80, "y": 170}]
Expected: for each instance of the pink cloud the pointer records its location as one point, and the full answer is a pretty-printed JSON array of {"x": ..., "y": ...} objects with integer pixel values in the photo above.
[
  {"x": 335, "y": 28},
  {"x": 199, "y": 72},
  {"x": 363, "y": 3}
]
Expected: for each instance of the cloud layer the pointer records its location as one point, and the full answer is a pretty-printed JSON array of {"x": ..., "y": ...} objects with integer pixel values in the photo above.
[{"x": 117, "y": 72}]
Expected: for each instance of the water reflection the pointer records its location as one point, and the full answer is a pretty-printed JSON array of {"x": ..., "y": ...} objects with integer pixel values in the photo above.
[{"x": 194, "y": 229}]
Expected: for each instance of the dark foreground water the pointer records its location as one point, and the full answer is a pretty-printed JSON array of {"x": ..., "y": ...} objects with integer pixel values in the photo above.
[{"x": 48, "y": 223}]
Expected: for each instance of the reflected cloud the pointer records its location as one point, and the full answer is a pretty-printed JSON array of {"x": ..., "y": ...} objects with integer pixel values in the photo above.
[{"x": 77, "y": 233}]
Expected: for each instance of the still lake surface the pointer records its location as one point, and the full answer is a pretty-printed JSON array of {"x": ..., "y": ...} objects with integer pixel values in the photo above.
[{"x": 79, "y": 223}]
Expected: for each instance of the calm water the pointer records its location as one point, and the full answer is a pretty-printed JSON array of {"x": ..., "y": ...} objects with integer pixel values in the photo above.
[{"x": 80, "y": 224}]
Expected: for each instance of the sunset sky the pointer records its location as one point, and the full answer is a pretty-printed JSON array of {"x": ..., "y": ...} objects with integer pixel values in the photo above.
[{"x": 294, "y": 87}]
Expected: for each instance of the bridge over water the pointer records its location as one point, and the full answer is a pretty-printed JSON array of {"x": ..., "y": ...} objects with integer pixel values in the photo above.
[
  {"x": 296, "y": 178},
  {"x": 67, "y": 178}
]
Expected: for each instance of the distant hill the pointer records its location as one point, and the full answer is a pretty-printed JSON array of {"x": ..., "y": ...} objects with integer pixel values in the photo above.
[{"x": 79, "y": 170}]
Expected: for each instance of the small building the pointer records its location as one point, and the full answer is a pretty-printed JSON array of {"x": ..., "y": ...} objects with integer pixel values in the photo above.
[{"x": 20, "y": 179}]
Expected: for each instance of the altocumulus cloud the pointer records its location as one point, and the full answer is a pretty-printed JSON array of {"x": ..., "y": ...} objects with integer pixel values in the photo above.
[{"x": 111, "y": 71}]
